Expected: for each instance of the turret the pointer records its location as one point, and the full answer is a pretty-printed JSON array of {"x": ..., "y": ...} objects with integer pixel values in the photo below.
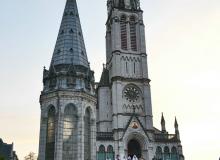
[
  {"x": 177, "y": 129},
  {"x": 163, "y": 124}
]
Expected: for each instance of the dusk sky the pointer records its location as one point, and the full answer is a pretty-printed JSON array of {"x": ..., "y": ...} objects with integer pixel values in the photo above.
[{"x": 183, "y": 45}]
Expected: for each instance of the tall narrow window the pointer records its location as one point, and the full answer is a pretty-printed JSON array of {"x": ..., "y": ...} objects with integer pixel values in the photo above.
[
  {"x": 159, "y": 155},
  {"x": 133, "y": 35},
  {"x": 123, "y": 25},
  {"x": 101, "y": 153},
  {"x": 174, "y": 155},
  {"x": 110, "y": 153},
  {"x": 70, "y": 133},
  {"x": 166, "y": 153},
  {"x": 87, "y": 135},
  {"x": 50, "y": 143}
]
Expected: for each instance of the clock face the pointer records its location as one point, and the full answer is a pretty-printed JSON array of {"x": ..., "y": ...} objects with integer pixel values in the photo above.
[{"x": 132, "y": 94}]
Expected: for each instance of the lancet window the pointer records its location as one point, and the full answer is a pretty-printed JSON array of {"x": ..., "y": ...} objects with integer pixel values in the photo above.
[
  {"x": 50, "y": 143},
  {"x": 70, "y": 133}
]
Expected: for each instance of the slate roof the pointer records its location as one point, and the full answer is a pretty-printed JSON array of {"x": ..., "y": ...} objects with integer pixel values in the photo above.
[
  {"x": 6, "y": 150},
  {"x": 70, "y": 46},
  {"x": 104, "y": 81}
]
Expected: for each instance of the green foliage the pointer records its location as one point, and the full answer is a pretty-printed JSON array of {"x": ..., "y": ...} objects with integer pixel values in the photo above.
[
  {"x": 30, "y": 156},
  {"x": 2, "y": 158}
]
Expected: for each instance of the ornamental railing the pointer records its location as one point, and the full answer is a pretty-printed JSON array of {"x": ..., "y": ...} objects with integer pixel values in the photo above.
[
  {"x": 165, "y": 137},
  {"x": 104, "y": 136}
]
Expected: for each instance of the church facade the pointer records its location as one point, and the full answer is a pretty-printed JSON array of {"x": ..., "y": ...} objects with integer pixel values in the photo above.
[{"x": 84, "y": 120}]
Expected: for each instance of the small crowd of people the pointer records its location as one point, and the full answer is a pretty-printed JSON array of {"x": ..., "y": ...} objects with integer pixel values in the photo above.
[{"x": 134, "y": 157}]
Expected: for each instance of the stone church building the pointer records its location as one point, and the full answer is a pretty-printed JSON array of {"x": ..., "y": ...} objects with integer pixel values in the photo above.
[{"x": 84, "y": 120}]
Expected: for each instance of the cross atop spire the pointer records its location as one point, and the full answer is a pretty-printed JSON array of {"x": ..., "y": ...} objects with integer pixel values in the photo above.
[{"x": 70, "y": 46}]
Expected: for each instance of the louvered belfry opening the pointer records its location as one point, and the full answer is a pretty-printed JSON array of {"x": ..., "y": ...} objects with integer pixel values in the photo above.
[
  {"x": 123, "y": 25},
  {"x": 133, "y": 35}
]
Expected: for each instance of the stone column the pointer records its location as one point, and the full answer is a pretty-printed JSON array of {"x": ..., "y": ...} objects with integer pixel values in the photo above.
[
  {"x": 43, "y": 135},
  {"x": 59, "y": 133}
]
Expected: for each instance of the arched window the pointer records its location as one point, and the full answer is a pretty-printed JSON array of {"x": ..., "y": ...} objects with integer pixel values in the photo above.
[
  {"x": 110, "y": 153},
  {"x": 159, "y": 155},
  {"x": 87, "y": 135},
  {"x": 70, "y": 133},
  {"x": 123, "y": 25},
  {"x": 133, "y": 35},
  {"x": 50, "y": 143},
  {"x": 166, "y": 153},
  {"x": 101, "y": 153},
  {"x": 174, "y": 155}
]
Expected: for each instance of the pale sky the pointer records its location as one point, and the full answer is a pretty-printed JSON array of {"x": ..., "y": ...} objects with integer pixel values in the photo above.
[{"x": 183, "y": 43}]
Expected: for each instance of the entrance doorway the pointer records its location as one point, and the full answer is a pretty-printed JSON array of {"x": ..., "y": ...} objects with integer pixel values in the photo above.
[{"x": 134, "y": 148}]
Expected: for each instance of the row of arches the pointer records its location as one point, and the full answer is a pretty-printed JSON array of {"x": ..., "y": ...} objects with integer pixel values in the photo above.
[
  {"x": 166, "y": 154},
  {"x": 70, "y": 133},
  {"x": 104, "y": 154},
  {"x": 124, "y": 26}
]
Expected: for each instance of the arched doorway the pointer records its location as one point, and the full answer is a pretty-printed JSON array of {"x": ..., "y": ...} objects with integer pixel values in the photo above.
[{"x": 134, "y": 148}]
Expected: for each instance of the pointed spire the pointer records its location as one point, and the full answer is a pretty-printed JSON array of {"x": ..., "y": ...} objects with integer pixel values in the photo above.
[
  {"x": 177, "y": 129},
  {"x": 163, "y": 124},
  {"x": 70, "y": 46},
  {"x": 176, "y": 123}
]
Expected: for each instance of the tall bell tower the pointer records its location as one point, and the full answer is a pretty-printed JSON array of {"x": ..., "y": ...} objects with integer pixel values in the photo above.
[{"x": 126, "y": 63}]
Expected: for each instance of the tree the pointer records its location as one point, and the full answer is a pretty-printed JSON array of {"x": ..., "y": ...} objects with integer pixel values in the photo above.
[
  {"x": 2, "y": 158},
  {"x": 31, "y": 156}
]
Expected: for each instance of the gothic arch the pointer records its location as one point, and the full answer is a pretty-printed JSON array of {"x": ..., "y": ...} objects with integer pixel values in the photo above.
[
  {"x": 92, "y": 113},
  {"x": 140, "y": 138},
  {"x": 133, "y": 17},
  {"x": 51, "y": 126},
  {"x": 70, "y": 132}
]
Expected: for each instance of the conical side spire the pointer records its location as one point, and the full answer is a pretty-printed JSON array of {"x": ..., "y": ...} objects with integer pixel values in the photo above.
[
  {"x": 70, "y": 46},
  {"x": 163, "y": 124}
]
